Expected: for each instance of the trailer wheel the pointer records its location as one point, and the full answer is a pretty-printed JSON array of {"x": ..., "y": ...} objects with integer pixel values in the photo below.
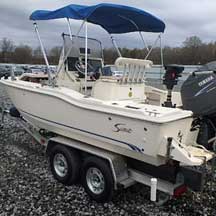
[
  {"x": 97, "y": 179},
  {"x": 65, "y": 164}
]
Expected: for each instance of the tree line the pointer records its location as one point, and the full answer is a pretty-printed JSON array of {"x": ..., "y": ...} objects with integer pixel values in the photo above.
[
  {"x": 192, "y": 52},
  {"x": 24, "y": 54}
]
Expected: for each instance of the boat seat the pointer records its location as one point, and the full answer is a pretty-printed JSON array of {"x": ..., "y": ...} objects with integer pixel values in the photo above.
[{"x": 133, "y": 69}]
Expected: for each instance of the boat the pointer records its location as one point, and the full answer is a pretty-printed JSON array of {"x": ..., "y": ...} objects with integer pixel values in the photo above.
[{"x": 114, "y": 113}]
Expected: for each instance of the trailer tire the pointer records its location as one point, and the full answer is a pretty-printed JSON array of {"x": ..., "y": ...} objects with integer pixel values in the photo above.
[
  {"x": 65, "y": 164},
  {"x": 97, "y": 179}
]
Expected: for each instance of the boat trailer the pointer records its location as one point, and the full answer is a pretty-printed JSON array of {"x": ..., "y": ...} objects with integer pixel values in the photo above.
[{"x": 123, "y": 174}]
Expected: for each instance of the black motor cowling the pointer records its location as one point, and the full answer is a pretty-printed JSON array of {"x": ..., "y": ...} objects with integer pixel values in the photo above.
[{"x": 198, "y": 93}]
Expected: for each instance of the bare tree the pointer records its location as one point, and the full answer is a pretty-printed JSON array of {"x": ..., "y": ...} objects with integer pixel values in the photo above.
[
  {"x": 54, "y": 54},
  {"x": 192, "y": 41},
  {"x": 23, "y": 54},
  {"x": 192, "y": 50},
  {"x": 110, "y": 55},
  {"x": 37, "y": 56},
  {"x": 7, "y": 48},
  {"x": 37, "y": 52}
]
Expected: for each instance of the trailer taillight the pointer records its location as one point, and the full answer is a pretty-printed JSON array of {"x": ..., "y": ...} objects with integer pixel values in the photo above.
[
  {"x": 179, "y": 191},
  {"x": 42, "y": 141}
]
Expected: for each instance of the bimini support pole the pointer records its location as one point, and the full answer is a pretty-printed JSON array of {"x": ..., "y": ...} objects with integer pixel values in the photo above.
[
  {"x": 161, "y": 53},
  {"x": 115, "y": 45},
  {"x": 44, "y": 54},
  {"x": 140, "y": 33},
  {"x": 143, "y": 40},
  {"x": 63, "y": 45},
  {"x": 86, "y": 55},
  {"x": 152, "y": 47},
  {"x": 69, "y": 28},
  {"x": 61, "y": 59}
]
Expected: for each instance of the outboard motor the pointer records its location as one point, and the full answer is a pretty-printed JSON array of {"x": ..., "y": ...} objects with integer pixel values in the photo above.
[
  {"x": 170, "y": 79},
  {"x": 198, "y": 94}
]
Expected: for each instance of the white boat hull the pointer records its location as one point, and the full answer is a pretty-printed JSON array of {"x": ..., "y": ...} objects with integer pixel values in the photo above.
[{"x": 128, "y": 136}]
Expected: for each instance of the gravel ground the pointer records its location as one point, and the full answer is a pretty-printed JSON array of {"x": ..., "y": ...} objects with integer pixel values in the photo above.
[{"x": 28, "y": 188}]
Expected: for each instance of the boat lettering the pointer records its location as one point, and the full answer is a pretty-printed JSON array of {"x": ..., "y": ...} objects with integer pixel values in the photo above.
[
  {"x": 203, "y": 82},
  {"x": 120, "y": 128}
]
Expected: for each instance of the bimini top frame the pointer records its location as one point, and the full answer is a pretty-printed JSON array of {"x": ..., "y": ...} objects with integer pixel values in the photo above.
[{"x": 115, "y": 19}]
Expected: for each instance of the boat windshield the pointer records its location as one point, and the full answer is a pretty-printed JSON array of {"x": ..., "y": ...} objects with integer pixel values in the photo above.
[
  {"x": 78, "y": 49},
  {"x": 77, "y": 53}
]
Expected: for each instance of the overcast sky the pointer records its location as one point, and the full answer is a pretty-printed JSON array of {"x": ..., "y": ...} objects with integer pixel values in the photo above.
[{"x": 183, "y": 18}]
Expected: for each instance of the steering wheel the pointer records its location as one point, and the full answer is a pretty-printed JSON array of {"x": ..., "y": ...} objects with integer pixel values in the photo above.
[{"x": 80, "y": 66}]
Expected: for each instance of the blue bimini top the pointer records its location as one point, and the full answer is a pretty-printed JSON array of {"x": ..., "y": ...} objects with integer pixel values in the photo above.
[{"x": 115, "y": 19}]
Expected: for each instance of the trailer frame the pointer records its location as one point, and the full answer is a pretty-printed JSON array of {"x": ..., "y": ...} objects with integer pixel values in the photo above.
[{"x": 123, "y": 175}]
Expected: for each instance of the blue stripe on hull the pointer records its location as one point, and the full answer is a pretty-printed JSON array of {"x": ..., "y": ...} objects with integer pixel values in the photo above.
[{"x": 133, "y": 147}]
